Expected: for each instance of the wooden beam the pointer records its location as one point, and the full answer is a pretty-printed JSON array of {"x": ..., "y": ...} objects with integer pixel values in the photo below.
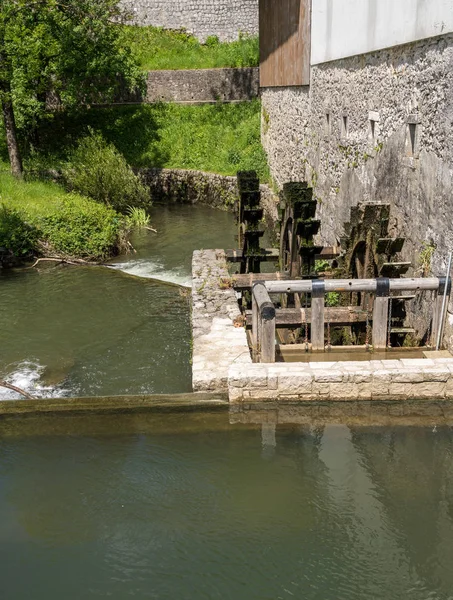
[
  {"x": 268, "y": 254},
  {"x": 296, "y": 317}
]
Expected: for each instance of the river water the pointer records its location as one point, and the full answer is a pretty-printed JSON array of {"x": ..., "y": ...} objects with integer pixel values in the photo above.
[
  {"x": 192, "y": 507},
  {"x": 82, "y": 331}
]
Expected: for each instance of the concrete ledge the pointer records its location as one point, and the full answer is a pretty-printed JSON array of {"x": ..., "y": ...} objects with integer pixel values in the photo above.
[
  {"x": 203, "y": 85},
  {"x": 393, "y": 380},
  {"x": 114, "y": 404}
]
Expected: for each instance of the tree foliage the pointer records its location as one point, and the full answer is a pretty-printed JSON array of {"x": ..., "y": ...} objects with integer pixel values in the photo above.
[{"x": 66, "y": 50}]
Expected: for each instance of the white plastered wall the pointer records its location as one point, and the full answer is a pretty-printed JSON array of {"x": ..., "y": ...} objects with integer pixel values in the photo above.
[{"x": 342, "y": 28}]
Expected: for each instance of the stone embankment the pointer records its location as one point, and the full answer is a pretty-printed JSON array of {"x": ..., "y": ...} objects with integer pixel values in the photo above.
[{"x": 217, "y": 343}]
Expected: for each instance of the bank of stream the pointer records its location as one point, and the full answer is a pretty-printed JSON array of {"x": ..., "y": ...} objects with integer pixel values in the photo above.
[{"x": 82, "y": 331}]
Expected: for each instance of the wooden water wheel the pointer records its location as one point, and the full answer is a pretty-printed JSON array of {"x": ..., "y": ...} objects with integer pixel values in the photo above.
[{"x": 298, "y": 227}]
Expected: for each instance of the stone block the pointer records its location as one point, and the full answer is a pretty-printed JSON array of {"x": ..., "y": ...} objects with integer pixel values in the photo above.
[
  {"x": 382, "y": 376},
  {"x": 235, "y": 394},
  {"x": 391, "y": 364},
  {"x": 380, "y": 390},
  {"x": 436, "y": 374},
  {"x": 400, "y": 390},
  {"x": 257, "y": 394},
  {"x": 417, "y": 362},
  {"x": 272, "y": 382},
  {"x": 343, "y": 391},
  {"x": 329, "y": 376},
  {"x": 407, "y": 376},
  {"x": 363, "y": 376},
  {"x": 364, "y": 391},
  {"x": 376, "y": 365},
  {"x": 295, "y": 384},
  {"x": 238, "y": 380},
  {"x": 322, "y": 389},
  {"x": 449, "y": 388},
  {"x": 432, "y": 390},
  {"x": 257, "y": 378}
]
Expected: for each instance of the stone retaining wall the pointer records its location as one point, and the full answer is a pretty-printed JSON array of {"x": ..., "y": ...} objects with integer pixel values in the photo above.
[
  {"x": 224, "y": 18},
  {"x": 217, "y": 343},
  {"x": 198, "y": 187},
  {"x": 203, "y": 85},
  {"x": 395, "y": 380}
]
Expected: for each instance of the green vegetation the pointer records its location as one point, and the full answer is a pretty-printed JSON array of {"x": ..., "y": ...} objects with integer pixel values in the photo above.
[
  {"x": 137, "y": 217},
  {"x": 96, "y": 169},
  {"x": 221, "y": 138},
  {"x": 17, "y": 236},
  {"x": 38, "y": 217},
  {"x": 156, "y": 48},
  {"x": 69, "y": 49},
  {"x": 332, "y": 299},
  {"x": 425, "y": 257}
]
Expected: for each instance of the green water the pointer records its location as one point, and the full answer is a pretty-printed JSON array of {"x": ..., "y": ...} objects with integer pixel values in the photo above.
[
  {"x": 191, "y": 507},
  {"x": 96, "y": 331}
]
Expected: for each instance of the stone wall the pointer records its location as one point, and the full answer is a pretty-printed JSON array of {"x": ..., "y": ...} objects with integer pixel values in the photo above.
[
  {"x": 223, "y": 18},
  {"x": 375, "y": 127},
  {"x": 203, "y": 85},
  {"x": 199, "y": 187}
]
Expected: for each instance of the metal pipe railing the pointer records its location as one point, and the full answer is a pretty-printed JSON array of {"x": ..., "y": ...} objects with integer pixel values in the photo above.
[{"x": 264, "y": 319}]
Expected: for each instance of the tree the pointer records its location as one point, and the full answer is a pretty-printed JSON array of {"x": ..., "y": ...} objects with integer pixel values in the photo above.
[{"x": 71, "y": 48}]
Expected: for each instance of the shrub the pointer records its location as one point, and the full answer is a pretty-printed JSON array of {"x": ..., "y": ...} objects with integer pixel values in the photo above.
[
  {"x": 17, "y": 237},
  {"x": 81, "y": 228},
  {"x": 96, "y": 169},
  {"x": 42, "y": 218}
]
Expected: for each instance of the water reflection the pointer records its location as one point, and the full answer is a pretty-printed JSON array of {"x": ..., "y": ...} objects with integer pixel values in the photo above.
[{"x": 191, "y": 506}]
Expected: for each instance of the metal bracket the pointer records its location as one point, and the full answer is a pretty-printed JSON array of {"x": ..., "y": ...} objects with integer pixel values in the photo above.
[
  {"x": 382, "y": 287},
  {"x": 442, "y": 282},
  {"x": 318, "y": 288}
]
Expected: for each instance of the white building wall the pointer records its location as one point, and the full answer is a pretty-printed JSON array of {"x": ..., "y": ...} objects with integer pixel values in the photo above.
[{"x": 342, "y": 28}]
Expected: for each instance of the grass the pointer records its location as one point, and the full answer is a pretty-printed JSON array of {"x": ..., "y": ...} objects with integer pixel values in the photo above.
[
  {"x": 220, "y": 138},
  {"x": 156, "y": 48},
  {"x": 67, "y": 224}
]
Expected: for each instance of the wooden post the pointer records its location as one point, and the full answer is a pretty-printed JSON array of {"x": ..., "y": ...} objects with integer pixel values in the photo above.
[
  {"x": 266, "y": 323},
  {"x": 317, "y": 315},
  {"x": 381, "y": 314}
]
